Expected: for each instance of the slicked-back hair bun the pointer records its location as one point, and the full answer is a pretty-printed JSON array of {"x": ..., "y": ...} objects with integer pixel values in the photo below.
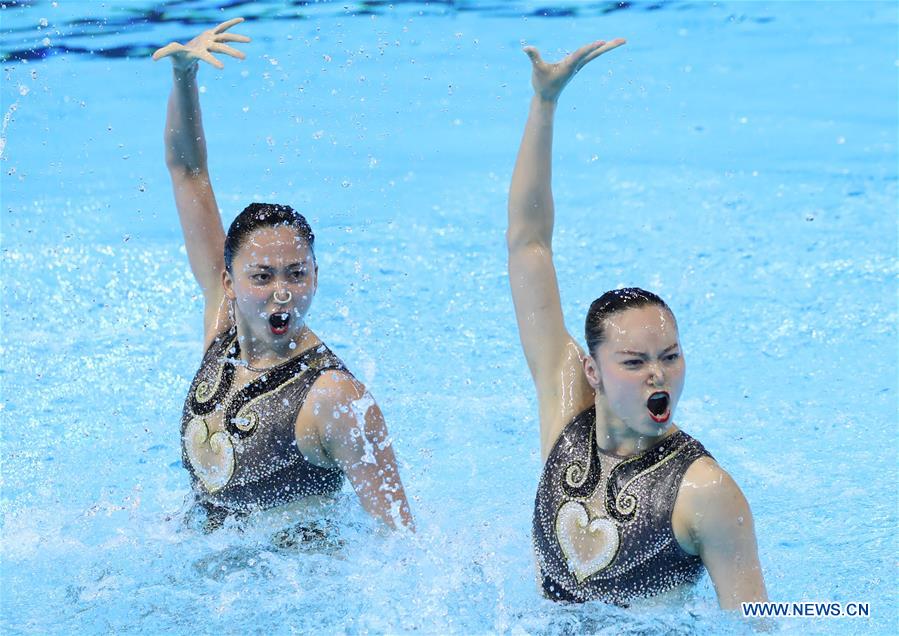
[
  {"x": 613, "y": 302},
  {"x": 259, "y": 215}
]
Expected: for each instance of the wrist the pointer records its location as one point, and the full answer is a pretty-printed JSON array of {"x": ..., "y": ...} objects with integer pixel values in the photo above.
[
  {"x": 186, "y": 70},
  {"x": 543, "y": 106}
]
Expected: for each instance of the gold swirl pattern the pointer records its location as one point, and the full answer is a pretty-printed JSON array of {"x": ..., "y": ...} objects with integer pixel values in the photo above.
[
  {"x": 204, "y": 391},
  {"x": 627, "y": 504},
  {"x": 247, "y": 420},
  {"x": 211, "y": 456},
  {"x": 576, "y": 475}
]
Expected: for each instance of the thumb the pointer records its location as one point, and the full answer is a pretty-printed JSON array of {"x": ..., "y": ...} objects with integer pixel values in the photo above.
[
  {"x": 534, "y": 54},
  {"x": 168, "y": 49}
]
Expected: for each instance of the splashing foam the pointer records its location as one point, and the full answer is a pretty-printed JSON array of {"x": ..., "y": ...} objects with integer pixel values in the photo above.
[
  {"x": 7, "y": 117},
  {"x": 360, "y": 408}
]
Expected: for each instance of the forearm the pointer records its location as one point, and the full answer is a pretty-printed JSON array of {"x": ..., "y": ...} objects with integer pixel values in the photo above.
[
  {"x": 185, "y": 142},
  {"x": 531, "y": 209},
  {"x": 384, "y": 498}
]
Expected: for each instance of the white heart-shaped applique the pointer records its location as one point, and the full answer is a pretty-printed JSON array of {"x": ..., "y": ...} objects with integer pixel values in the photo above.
[
  {"x": 211, "y": 456},
  {"x": 588, "y": 546}
]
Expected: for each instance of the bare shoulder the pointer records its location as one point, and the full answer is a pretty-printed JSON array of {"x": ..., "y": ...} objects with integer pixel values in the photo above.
[
  {"x": 563, "y": 393},
  {"x": 216, "y": 320},
  {"x": 710, "y": 506},
  {"x": 335, "y": 398},
  {"x": 330, "y": 405},
  {"x": 706, "y": 485},
  {"x": 336, "y": 387}
]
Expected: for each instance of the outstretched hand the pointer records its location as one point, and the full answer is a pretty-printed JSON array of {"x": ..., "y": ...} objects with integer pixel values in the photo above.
[
  {"x": 548, "y": 79},
  {"x": 203, "y": 46}
]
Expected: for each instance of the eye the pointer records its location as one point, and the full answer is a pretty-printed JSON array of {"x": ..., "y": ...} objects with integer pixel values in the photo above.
[
  {"x": 671, "y": 357},
  {"x": 298, "y": 274},
  {"x": 633, "y": 363},
  {"x": 261, "y": 277}
]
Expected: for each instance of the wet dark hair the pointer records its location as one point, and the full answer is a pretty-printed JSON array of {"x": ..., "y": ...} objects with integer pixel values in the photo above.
[
  {"x": 613, "y": 302},
  {"x": 258, "y": 215}
]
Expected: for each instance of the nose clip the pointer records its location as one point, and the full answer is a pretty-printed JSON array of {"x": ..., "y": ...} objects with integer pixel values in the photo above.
[{"x": 282, "y": 301}]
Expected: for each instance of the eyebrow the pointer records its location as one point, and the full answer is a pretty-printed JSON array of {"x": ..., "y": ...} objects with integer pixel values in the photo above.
[
  {"x": 269, "y": 267},
  {"x": 641, "y": 354}
]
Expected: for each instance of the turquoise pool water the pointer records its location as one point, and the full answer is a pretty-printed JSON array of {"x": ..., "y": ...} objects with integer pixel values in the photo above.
[{"x": 738, "y": 158}]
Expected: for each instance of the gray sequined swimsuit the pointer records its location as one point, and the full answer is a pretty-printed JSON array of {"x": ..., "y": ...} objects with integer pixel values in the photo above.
[
  {"x": 254, "y": 463},
  {"x": 622, "y": 507}
]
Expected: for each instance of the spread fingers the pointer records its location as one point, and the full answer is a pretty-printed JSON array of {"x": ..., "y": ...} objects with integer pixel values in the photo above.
[
  {"x": 227, "y": 50},
  {"x": 232, "y": 37},
  {"x": 605, "y": 48},
  {"x": 224, "y": 26}
]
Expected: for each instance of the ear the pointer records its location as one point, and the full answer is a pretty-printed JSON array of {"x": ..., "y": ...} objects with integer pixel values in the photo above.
[
  {"x": 591, "y": 371},
  {"x": 228, "y": 285}
]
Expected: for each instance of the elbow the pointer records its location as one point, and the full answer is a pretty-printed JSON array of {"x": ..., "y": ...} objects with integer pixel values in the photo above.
[
  {"x": 511, "y": 239},
  {"x": 181, "y": 166},
  {"x": 519, "y": 239}
]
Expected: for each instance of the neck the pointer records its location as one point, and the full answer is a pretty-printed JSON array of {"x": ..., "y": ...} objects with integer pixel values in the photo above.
[
  {"x": 614, "y": 436},
  {"x": 261, "y": 354}
]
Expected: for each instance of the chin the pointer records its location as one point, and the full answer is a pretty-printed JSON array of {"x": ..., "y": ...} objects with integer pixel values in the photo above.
[{"x": 650, "y": 428}]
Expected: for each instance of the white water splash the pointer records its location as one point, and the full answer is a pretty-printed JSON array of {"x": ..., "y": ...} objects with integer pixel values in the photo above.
[
  {"x": 7, "y": 117},
  {"x": 360, "y": 408}
]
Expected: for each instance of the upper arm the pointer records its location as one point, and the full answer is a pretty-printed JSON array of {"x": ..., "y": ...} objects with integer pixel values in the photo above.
[
  {"x": 722, "y": 527},
  {"x": 353, "y": 433},
  {"x": 553, "y": 356},
  {"x": 204, "y": 240}
]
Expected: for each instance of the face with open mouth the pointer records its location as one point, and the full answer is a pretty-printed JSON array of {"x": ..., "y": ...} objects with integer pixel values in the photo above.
[
  {"x": 278, "y": 322},
  {"x": 273, "y": 282},
  {"x": 659, "y": 406},
  {"x": 639, "y": 368}
]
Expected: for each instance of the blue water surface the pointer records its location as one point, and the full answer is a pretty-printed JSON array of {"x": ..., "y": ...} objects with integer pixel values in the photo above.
[{"x": 738, "y": 158}]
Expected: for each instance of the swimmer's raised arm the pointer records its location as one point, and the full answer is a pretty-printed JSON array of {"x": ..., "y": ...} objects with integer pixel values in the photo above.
[
  {"x": 185, "y": 156},
  {"x": 723, "y": 533},
  {"x": 553, "y": 356},
  {"x": 353, "y": 435}
]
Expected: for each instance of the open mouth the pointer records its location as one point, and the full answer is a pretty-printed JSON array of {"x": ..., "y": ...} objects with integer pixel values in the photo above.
[
  {"x": 659, "y": 405},
  {"x": 278, "y": 322}
]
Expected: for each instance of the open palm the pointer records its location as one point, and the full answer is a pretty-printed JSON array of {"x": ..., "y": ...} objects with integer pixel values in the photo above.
[
  {"x": 203, "y": 46},
  {"x": 548, "y": 79}
]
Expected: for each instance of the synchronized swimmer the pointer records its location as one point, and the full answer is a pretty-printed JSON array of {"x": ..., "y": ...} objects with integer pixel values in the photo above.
[
  {"x": 272, "y": 416},
  {"x": 628, "y": 505}
]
